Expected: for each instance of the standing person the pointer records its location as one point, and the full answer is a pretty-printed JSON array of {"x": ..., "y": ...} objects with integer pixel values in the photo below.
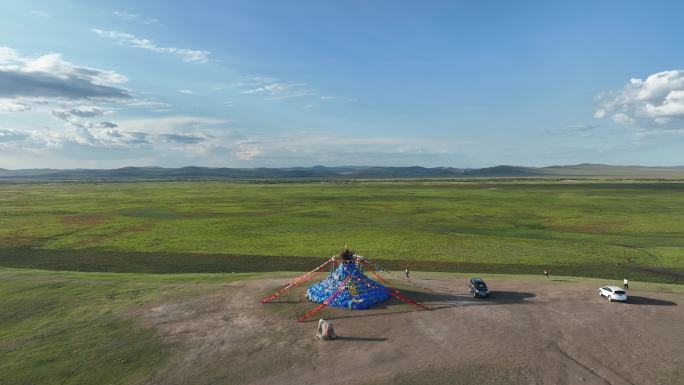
[
  {"x": 406, "y": 273},
  {"x": 546, "y": 272},
  {"x": 626, "y": 282}
]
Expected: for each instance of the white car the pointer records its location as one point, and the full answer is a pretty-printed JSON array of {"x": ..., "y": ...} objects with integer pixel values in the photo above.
[{"x": 613, "y": 293}]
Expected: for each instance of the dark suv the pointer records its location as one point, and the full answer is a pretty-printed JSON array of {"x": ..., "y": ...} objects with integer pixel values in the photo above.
[{"x": 478, "y": 287}]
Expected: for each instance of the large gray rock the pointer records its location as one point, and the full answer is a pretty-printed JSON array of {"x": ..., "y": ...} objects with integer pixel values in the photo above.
[{"x": 325, "y": 330}]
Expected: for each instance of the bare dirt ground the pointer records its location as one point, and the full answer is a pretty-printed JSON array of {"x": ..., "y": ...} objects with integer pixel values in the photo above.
[{"x": 549, "y": 332}]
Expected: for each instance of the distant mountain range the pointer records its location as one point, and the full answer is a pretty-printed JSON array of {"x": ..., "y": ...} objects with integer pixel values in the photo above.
[{"x": 347, "y": 172}]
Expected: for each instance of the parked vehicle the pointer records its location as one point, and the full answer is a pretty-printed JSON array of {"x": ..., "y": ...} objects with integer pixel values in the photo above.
[
  {"x": 478, "y": 287},
  {"x": 613, "y": 293}
]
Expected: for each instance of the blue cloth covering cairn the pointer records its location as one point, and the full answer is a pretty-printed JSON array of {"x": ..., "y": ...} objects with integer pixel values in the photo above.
[{"x": 360, "y": 292}]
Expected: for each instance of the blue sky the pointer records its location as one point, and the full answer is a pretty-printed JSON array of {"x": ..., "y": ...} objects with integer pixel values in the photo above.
[{"x": 300, "y": 83}]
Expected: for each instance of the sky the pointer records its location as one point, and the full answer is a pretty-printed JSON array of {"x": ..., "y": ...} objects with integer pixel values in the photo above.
[{"x": 253, "y": 83}]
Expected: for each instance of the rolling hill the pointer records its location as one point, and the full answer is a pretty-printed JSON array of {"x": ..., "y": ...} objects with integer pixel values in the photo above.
[{"x": 344, "y": 172}]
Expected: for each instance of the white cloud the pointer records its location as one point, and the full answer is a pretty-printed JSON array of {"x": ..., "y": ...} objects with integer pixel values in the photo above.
[
  {"x": 13, "y": 139},
  {"x": 80, "y": 112},
  {"x": 277, "y": 91},
  {"x": 50, "y": 76},
  {"x": 106, "y": 125},
  {"x": 8, "y": 55},
  {"x": 10, "y": 135},
  {"x": 54, "y": 64},
  {"x": 13, "y": 105},
  {"x": 187, "y": 140},
  {"x": 78, "y": 118},
  {"x": 129, "y": 40},
  {"x": 655, "y": 101},
  {"x": 247, "y": 151},
  {"x": 272, "y": 88},
  {"x": 623, "y": 118},
  {"x": 335, "y": 149},
  {"x": 126, "y": 16},
  {"x": 671, "y": 107},
  {"x": 134, "y": 16},
  {"x": 179, "y": 134},
  {"x": 33, "y": 83},
  {"x": 146, "y": 103},
  {"x": 187, "y": 92},
  {"x": 252, "y": 81},
  {"x": 171, "y": 124}
]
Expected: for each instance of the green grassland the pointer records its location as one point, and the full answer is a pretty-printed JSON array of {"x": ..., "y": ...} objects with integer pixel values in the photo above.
[
  {"x": 71, "y": 328},
  {"x": 101, "y": 245},
  {"x": 582, "y": 228}
]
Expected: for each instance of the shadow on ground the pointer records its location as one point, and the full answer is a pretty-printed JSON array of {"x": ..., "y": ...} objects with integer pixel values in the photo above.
[
  {"x": 434, "y": 301},
  {"x": 637, "y": 300},
  {"x": 34, "y": 256},
  {"x": 363, "y": 339}
]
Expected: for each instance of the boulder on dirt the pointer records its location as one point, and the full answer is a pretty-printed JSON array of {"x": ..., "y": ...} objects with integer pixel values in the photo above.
[{"x": 325, "y": 330}]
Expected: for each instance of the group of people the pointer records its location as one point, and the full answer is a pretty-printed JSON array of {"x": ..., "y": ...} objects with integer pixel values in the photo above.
[{"x": 546, "y": 274}]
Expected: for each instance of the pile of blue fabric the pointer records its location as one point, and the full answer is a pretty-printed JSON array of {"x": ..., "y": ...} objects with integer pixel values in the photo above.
[{"x": 360, "y": 292}]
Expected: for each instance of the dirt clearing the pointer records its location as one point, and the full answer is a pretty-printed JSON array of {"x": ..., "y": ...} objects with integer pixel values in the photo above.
[{"x": 527, "y": 333}]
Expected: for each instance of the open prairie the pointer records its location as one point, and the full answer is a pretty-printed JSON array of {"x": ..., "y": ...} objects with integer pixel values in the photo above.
[
  {"x": 159, "y": 282},
  {"x": 582, "y": 228}
]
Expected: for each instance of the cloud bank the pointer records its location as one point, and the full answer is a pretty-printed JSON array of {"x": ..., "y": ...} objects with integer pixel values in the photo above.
[
  {"x": 50, "y": 76},
  {"x": 183, "y": 140},
  {"x": 656, "y": 101}
]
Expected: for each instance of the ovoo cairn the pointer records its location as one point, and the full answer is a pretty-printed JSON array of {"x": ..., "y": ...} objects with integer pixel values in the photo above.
[
  {"x": 346, "y": 285},
  {"x": 354, "y": 289}
]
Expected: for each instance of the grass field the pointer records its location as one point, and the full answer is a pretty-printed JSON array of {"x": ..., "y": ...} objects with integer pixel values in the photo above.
[
  {"x": 71, "y": 328},
  {"x": 583, "y": 228}
]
